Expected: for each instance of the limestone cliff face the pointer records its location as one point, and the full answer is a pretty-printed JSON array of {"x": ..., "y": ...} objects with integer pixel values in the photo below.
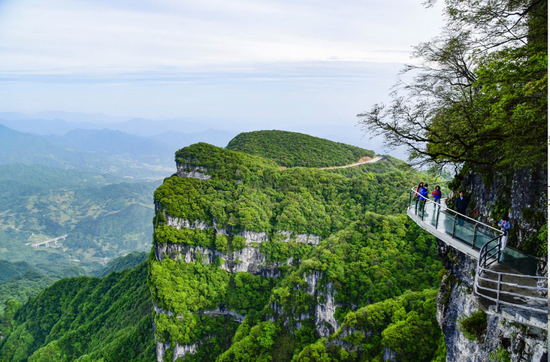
[
  {"x": 523, "y": 193},
  {"x": 198, "y": 172},
  {"x": 249, "y": 259},
  {"x": 324, "y": 306},
  {"x": 504, "y": 330}
]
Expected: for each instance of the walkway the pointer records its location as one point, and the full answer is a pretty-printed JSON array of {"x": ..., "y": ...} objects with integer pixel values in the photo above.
[
  {"x": 505, "y": 279},
  {"x": 362, "y": 161}
]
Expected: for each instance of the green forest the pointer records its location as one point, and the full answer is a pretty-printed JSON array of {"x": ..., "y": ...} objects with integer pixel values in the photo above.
[
  {"x": 370, "y": 254},
  {"x": 83, "y": 319},
  {"x": 291, "y": 149}
]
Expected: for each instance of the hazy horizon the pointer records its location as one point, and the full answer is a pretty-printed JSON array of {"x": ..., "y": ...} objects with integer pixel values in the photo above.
[{"x": 242, "y": 65}]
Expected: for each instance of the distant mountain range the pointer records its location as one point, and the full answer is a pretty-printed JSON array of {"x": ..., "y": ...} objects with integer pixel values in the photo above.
[{"x": 102, "y": 151}]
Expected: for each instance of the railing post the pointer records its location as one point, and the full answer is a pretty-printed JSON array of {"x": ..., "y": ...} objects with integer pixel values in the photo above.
[
  {"x": 499, "y": 248},
  {"x": 437, "y": 216},
  {"x": 454, "y": 225},
  {"x": 416, "y": 206},
  {"x": 474, "y": 239},
  {"x": 498, "y": 291}
]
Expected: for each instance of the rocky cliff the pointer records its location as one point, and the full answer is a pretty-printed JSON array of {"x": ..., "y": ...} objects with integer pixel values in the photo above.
[
  {"x": 512, "y": 334},
  {"x": 521, "y": 193}
]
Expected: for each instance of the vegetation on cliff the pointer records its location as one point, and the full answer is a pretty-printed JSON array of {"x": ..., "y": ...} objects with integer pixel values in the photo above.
[
  {"x": 363, "y": 257},
  {"x": 291, "y": 149},
  {"x": 83, "y": 319},
  {"x": 268, "y": 199}
]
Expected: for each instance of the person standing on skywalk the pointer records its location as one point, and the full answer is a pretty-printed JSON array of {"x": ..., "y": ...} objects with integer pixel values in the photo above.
[{"x": 461, "y": 204}]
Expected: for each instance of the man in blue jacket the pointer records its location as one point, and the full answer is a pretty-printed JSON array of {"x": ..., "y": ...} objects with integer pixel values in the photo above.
[{"x": 423, "y": 197}]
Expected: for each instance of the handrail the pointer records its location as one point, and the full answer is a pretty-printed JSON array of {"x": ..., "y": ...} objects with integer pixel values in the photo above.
[
  {"x": 488, "y": 254},
  {"x": 413, "y": 191},
  {"x": 482, "y": 268}
]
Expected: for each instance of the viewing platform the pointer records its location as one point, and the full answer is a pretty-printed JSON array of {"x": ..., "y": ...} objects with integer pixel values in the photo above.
[{"x": 505, "y": 278}]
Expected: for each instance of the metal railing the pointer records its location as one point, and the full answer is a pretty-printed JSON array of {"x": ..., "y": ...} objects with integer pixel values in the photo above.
[
  {"x": 524, "y": 299},
  {"x": 488, "y": 241},
  {"x": 460, "y": 227}
]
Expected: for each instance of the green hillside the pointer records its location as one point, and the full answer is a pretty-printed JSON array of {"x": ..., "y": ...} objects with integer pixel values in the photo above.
[
  {"x": 25, "y": 148},
  {"x": 20, "y": 281},
  {"x": 123, "y": 263},
  {"x": 83, "y": 319},
  {"x": 291, "y": 149},
  {"x": 101, "y": 216},
  {"x": 369, "y": 253}
]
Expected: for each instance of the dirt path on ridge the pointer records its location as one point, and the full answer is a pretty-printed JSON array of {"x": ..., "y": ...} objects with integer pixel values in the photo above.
[{"x": 362, "y": 161}]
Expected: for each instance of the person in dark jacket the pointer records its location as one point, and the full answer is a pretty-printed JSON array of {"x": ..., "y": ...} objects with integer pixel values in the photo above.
[
  {"x": 420, "y": 186},
  {"x": 461, "y": 204}
]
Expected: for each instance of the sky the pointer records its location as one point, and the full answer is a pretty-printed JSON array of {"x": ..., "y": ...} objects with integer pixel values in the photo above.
[{"x": 285, "y": 63}]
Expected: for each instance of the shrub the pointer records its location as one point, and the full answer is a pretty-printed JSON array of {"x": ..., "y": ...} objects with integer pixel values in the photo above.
[
  {"x": 238, "y": 243},
  {"x": 474, "y": 326}
]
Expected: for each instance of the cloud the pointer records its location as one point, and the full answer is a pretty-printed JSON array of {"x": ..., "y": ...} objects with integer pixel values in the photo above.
[{"x": 106, "y": 38}]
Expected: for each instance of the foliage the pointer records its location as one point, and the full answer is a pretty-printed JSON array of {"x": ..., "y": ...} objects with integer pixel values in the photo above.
[
  {"x": 85, "y": 319},
  {"x": 291, "y": 149},
  {"x": 122, "y": 263},
  {"x": 480, "y": 95},
  {"x": 299, "y": 200},
  {"x": 254, "y": 347},
  {"x": 500, "y": 355},
  {"x": 474, "y": 326},
  {"x": 543, "y": 241},
  {"x": 363, "y": 257},
  {"x": 405, "y": 325}
]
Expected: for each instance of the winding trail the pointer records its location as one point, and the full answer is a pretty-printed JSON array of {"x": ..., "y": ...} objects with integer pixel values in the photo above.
[{"x": 362, "y": 161}]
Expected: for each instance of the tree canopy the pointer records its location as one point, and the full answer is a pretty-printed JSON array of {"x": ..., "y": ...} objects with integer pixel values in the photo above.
[
  {"x": 480, "y": 92},
  {"x": 292, "y": 149}
]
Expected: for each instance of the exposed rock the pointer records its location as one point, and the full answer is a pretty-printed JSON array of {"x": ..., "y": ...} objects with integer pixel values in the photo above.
[
  {"x": 525, "y": 190},
  {"x": 248, "y": 259},
  {"x": 182, "y": 223},
  {"x": 181, "y": 351},
  {"x": 286, "y": 236},
  {"x": 325, "y": 307},
  {"x": 389, "y": 355},
  {"x": 253, "y": 236},
  {"x": 192, "y": 171},
  {"x": 324, "y": 312},
  {"x": 249, "y": 236},
  {"x": 221, "y": 311},
  {"x": 185, "y": 252},
  {"x": 161, "y": 350},
  {"x": 312, "y": 278},
  {"x": 159, "y": 310},
  {"x": 455, "y": 301}
]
